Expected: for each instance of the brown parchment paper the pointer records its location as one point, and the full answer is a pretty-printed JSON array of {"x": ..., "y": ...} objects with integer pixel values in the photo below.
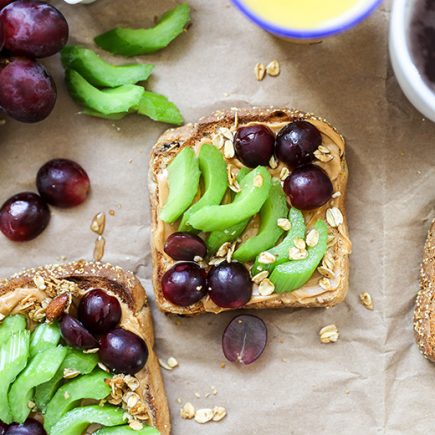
[{"x": 373, "y": 380}]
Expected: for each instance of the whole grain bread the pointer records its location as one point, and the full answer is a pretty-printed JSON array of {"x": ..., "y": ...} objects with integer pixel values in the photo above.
[
  {"x": 190, "y": 135},
  {"x": 40, "y": 291},
  {"x": 424, "y": 314}
]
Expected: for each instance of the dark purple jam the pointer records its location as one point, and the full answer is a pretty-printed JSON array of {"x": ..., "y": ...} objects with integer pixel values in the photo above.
[{"x": 422, "y": 38}]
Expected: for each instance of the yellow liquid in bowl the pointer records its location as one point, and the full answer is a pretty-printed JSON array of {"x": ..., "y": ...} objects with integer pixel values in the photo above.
[{"x": 301, "y": 14}]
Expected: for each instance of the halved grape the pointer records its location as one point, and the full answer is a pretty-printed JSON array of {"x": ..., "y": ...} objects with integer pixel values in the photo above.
[
  {"x": 244, "y": 339},
  {"x": 33, "y": 28},
  {"x": 75, "y": 334},
  {"x": 230, "y": 285},
  {"x": 185, "y": 247},
  {"x": 27, "y": 91}
]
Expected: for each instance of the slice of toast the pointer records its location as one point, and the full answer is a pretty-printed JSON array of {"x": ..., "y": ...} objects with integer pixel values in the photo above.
[
  {"x": 39, "y": 294},
  {"x": 424, "y": 314},
  {"x": 315, "y": 293}
]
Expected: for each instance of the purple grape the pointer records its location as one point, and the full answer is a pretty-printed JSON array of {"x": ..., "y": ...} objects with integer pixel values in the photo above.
[
  {"x": 244, "y": 339},
  {"x": 75, "y": 334},
  {"x": 308, "y": 187},
  {"x": 4, "y": 3},
  {"x": 254, "y": 145},
  {"x": 185, "y": 247},
  {"x": 123, "y": 352},
  {"x": 296, "y": 143},
  {"x": 230, "y": 285},
  {"x": 63, "y": 183},
  {"x": 2, "y": 36},
  {"x": 33, "y": 28},
  {"x": 99, "y": 312},
  {"x": 27, "y": 91},
  {"x": 184, "y": 284},
  {"x": 29, "y": 427},
  {"x": 24, "y": 216},
  {"x": 3, "y": 428}
]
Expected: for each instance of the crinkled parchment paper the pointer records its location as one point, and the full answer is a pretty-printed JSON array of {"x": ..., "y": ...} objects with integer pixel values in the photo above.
[{"x": 373, "y": 380}]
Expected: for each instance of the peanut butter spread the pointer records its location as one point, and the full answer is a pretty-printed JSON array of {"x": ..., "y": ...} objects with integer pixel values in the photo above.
[{"x": 339, "y": 248}]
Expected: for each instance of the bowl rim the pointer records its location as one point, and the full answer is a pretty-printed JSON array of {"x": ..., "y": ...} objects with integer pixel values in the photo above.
[
  {"x": 411, "y": 81},
  {"x": 322, "y": 32}
]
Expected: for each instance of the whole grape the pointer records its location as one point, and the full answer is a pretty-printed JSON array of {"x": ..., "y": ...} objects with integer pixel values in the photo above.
[
  {"x": 27, "y": 91},
  {"x": 33, "y": 28}
]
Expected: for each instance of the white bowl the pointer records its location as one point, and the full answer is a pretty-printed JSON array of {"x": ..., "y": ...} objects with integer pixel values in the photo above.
[{"x": 407, "y": 74}]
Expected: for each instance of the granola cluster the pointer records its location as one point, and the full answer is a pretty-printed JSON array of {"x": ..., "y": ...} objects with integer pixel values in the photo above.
[{"x": 124, "y": 394}]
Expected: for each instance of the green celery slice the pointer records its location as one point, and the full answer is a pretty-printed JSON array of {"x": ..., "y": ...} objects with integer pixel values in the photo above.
[
  {"x": 294, "y": 274},
  {"x": 101, "y": 73},
  {"x": 217, "y": 238},
  {"x": 77, "y": 420},
  {"x": 269, "y": 232},
  {"x": 68, "y": 396},
  {"x": 13, "y": 359},
  {"x": 214, "y": 173},
  {"x": 246, "y": 204},
  {"x": 183, "y": 180},
  {"x": 134, "y": 42},
  {"x": 159, "y": 108},
  {"x": 108, "y": 101},
  {"x": 10, "y": 325},
  {"x": 44, "y": 336},
  {"x": 281, "y": 251},
  {"x": 75, "y": 360},
  {"x": 126, "y": 430},
  {"x": 40, "y": 369}
]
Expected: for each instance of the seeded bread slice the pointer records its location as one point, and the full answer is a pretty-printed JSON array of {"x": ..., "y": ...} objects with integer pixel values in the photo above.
[
  {"x": 192, "y": 135},
  {"x": 39, "y": 292},
  {"x": 424, "y": 314}
]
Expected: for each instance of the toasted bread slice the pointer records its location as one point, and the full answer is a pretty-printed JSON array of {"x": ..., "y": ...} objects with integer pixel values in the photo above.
[
  {"x": 312, "y": 294},
  {"x": 424, "y": 314},
  {"x": 38, "y": 293}
]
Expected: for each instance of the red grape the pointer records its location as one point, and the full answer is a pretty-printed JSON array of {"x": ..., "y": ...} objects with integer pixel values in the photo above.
[
  {"x": 230, "y": 285},
  {"x": 185, "y": 247},
  {"x": 2, "y": 36},
  {"x": 254, "y": 145},
  {"x": 99, "y": 311},
  {"x": 33, "y": 28},
  {"x": 244, "y": 339},
  {"x": 63, "y": 183},
  {"x": 29, "y": 427},
  {"x": 308, "y": 187},
  {"x": 4, "y": 3},
  {"x": 296, "y": 143},
  {"x": 3, "y": 428},
  {"x": 184, "y": 284},
  {"x": 27, "y": 91},
  {"x": 75, "y": 334},
  {"x": 24, "y": 216},
  {"x": 123, "y": 352}
]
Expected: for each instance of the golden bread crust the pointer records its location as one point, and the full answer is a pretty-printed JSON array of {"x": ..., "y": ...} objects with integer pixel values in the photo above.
[{"x": 424, "y": 313}]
